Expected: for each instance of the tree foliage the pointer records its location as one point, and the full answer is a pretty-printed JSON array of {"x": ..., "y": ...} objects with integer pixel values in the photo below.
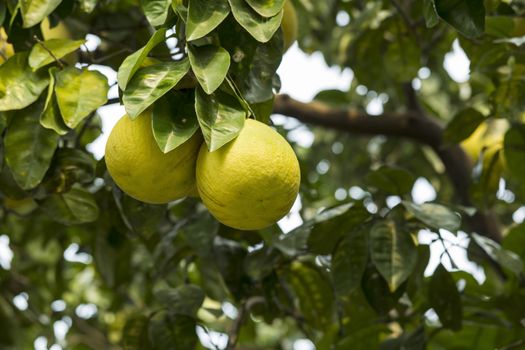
[{"x": 352, "y": 275}]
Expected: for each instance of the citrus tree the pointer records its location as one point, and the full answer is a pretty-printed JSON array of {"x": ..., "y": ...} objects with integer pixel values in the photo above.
[{"x": 171, "y": 241}]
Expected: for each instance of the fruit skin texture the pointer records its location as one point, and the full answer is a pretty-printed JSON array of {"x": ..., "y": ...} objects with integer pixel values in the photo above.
[
  {"x": 140, "y": 169},
  {"x": 251, "y": 182},
  {"x": 289, "y": 25}
]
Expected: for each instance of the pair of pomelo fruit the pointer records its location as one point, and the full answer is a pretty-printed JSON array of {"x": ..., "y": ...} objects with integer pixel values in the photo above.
[{"x": 248, "y": 184}]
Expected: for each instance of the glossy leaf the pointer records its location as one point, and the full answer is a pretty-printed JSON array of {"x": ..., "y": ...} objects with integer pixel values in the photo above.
[
  {"x": 267, "y": 8},
  {"x": 46, "y": 52},
  {"x": 34, "y": 11},
  {"x": 262, "y": 29},
  {"x": 151, "y": 83},
  {"x": 466, "y": 16},
  {"x": 393, "y": 252},
  {"x": 29, "y": 147},
  {"x": 79, "y": 92},
  {"x": 445, "y": 299},
  {"x": 77, "y": 206},
  {"x": 210, "y": 65},
  {"x": 394, "y": 181},
  {"x": 20, "y": 86},
  {"x": 174, "y": 120},
  {"x": 184, "y": 300},
  {"x": 220, "y": 116},
  {"x": 507, "y": 259},
  {"x": 156, "y": 11},
  {"x": 204, "y": 16},
  {"x": 436, "y": 216},
  {"x": 50, "y": 117},
  {"x": 134, "y": 61}
]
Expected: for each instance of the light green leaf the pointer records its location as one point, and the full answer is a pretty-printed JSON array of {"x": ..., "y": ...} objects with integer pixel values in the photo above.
[
  {"x": 210, "y": 64},
  {"x": 50, "y": 117},
  {"x": 262, "y": 29},
  {"x": 40, "y": 54},
  {"x": 393, "y": 252},
  {"x": 151, "y": 83},
  {"x": 29, "y": 147},
  {"x": 20, "y": 86},
  {"x": 174, "y": 120},
  {"x": 156, "y": 11},
  {"x": 80, "y": 92},
  {"x": 132, "y": 63},
  {"x": 436, "y": 216},
  {"x": 267, "y": 8},
  {"x": 76, "y": 206},
  {"x": 204, "y": 16},
  {"x": 220, "y": 116},
  {"x": 34, "y": 11},
  {"x": 349, "y": 261}
]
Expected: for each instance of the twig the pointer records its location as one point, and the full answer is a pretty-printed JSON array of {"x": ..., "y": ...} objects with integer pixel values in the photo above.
[
  {"x": 41, "y": 43},
  {"x": 515, "y": 345},
  {"x": 233, "y": 335}
]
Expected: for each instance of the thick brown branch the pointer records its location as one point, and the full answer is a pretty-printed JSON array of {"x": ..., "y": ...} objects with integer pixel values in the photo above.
[{"x": 410, "y": 125}]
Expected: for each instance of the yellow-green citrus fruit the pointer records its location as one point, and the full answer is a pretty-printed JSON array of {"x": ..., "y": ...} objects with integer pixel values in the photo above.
[
  {"x": 487, "y": 136},
  {"x": 60, "y": 31},
  {"x": 251, "y": 182},
  {"x": 6, "y": 49},
  {"x": 140, "y": 169},
  {"x": 289, "y": 25}
]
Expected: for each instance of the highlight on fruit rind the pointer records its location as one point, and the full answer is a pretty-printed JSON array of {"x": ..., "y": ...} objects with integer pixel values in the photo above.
[
  {"x": 251, "y": 182},
  {"x": 139, "y": 168},
  {"x": 289, "y": 25}
]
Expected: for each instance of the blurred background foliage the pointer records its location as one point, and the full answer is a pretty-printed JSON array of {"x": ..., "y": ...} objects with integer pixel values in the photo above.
[{"x": 83, "y": 266}]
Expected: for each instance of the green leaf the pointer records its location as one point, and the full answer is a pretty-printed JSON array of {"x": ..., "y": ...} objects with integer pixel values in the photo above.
[
  {"x": 46, "y": 52},
  {"x": 515, "y": 151},
  {"x": 514, "y": 240},
  {"x": 463, "y": 125},
  {"x": 204, "y": 16},
  {"x": 80, "y": 92},
  {"x": 436, "y": 216},
  {"x": 313, "y": 292},
  {"x": 172, "y": 332},
  {"x": 76, "y": 206},
  {"x": 156, "y": 11},
  {"x": 184, "y": 300},
  {"x": 220, "y": 116},
  {"x": 349, "y": 261},
  {"x": 394, "y": 181},
  {"x": 174, "y": 120},
  {"x": 133, "y": 62},
  {"x": 50, "y": 117},
  {"x": 331, "y": 225},
  {"x": 210, "y": 64},
  {"x": 267, "y": 8},
  {"x": 29, "y": 147},
  {"x": 20, "y": 86},
  {"x": 261, "y": 28},
  {"x": 393, "y": 252},
  {"x": 151, "y": 83},
  {"x": 430, "y": 14},
  {"x": 444, "y": 298},
  {"x": 505, "y": 258},
  {"x": 403, "y": 59},
  {"x": 466, "y": 16},
  {"x": 34, "y": 11},
  {"x": 135, "y": 333}
]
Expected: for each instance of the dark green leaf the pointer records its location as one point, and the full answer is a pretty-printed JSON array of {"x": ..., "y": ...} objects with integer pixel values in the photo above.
[
  {"x": 135, "y": 333},
  {"x": 204, "y": 16},
  {"x": 156, "y": 11},
  {"x": 394, "y": 181},
  {"x": 79, "y": 92},
  {"x": 29, "y": 147},
  {"x": 445, "y": 299},
  {"x": 220, "y": 116},
  {"x": 393, "y": 252},
  {"x": 430, "y": 14},
  {"x": 46, "y": 52},
  {"x": 20, "y": 86},
  {"x": 261, "y": 28},
  {"x": 184, "y": 300},
  {"x": 267, "y": 8},
  {"x": 505, "y": 258},
  {"x": 515, "y": 151},
  {"x": 174, "y": 120},
  {"x": 436, "y": 216},
  {"x": 172, "y": 332},
  {"x": 210, "y": 64},
  {"x": 463, "y": 125},
  {"x": 77, "y": 206},
  {"x": 349, "y": 261},
  {"x": 466, "y": 16},
  {"x": 134, "y": 61}
]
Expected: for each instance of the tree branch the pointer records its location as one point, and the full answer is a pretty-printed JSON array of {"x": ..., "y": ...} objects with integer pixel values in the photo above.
[{"x": 411, "y": 125}]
